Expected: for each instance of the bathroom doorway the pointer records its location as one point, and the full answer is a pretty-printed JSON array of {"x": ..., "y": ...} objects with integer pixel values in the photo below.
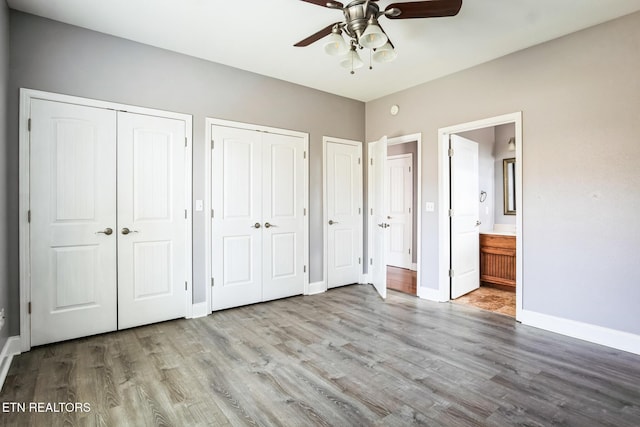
[{"x": 466, "y": 269}]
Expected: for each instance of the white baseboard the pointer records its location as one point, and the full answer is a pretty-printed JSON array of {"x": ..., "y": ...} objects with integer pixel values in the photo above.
[
  {"x": 430, "y": 294},
  {"x": 624, "y": 341},
  {"x": 316, "y": 288},
  {"x": 200, "y": 309},
  {"x": 10, "y": 349}
]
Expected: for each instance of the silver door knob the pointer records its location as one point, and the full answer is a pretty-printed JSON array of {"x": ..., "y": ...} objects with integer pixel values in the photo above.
[
  {"x": 383, "y": 225},
  {"x": 256, "y": 225},
  {"x": 106, "y": 231},
  {"x": 478, "y": 223},
  {"x": 267, "y": 225},
  {"x": 127, "y": 231},
  {"x": 388, "y": 217},
  {"x": 331, "y": 222}
]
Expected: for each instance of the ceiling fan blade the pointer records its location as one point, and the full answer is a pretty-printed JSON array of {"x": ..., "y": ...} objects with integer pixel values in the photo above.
[
  {"x": 326, "y": 3},
  {"x": 423, "y": 9},
  {"x": 317, "y": 36}
]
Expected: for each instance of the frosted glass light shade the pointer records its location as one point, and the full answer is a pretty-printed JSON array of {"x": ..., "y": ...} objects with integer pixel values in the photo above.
[
  {"x": 335, "y": 45},
  {"x": 372, "y": 37},
  {"x": 385, "y": 53},
  {"x": 351, "y": 61}
]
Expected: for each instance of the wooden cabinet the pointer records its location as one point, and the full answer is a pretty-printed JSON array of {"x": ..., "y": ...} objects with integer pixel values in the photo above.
[{"x": 498, "y": 260}]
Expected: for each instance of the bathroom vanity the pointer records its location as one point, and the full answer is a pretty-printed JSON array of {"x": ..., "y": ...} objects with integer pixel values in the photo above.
[{"x": 498, "y": 260}]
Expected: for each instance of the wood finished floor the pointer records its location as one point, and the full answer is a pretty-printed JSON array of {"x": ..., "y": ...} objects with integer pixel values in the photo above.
[
  {"x": 342, "y": 358},
  {"x": 401, "y": 279}
]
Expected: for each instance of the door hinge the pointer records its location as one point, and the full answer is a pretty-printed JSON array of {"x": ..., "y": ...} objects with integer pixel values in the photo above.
[
  {"x": 185, "y": 141},
  {"x": 29, "y": 307},
  {"x": 212, "y": 214},
  {"x": 185, "y": 286},
  {"x": 358, "y": 160},
  {"x": 450, "y": 212},
  {"x": 409, "y": 169},
  {"x": 359, "y": 211},
  {"x": 304, "y": 155},
  {"x": 371, "y": 161},
  {"x": 409, "y": 251},
  {"x": 29, "y": 125},
  {"x": 213, "y": 282},
  {"x": 212, "y": 143},
  {"x": 304, "y": 270},
  {"x": 409, "y": 210},
  {"x": 185, "y": 214},
  {"x": 450, "y": 152},
  {"x": 359, "y": 260},
  {"x": 304, "y": 211},
  {"x": 29, "y": 216},
  {"x": 370, "y": 261},
  {"x": 451, "y": 274},
  {"x": 371, "y": 211}
]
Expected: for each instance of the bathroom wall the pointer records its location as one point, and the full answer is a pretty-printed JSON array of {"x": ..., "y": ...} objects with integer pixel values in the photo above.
[
  {"x": 501, "y": 152},
  {"x": 486, "y": 164}
]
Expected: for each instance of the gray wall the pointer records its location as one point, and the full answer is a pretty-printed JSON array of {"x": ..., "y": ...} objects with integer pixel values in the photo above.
[
  {"x": 56, "y": 57},
  {"x": 410, "y": 148},
  {"x": 4, "y": 146},
  {"x": 580, "y": 100}
]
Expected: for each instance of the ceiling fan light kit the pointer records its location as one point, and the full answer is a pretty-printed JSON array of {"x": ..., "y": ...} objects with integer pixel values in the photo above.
[
  {"x": 363, "y": 30},
  {"x": 335, "y": 45}
]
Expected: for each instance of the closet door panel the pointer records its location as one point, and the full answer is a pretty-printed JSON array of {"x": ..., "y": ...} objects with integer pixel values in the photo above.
[
  {"x": 283, "y": 214},
  {"x": 236, "y": 194},
  {"x": 151, "y": 219},
  {"x": 73, "y": 196}
]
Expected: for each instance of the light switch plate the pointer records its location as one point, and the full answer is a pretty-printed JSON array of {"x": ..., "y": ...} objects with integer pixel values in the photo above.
[{"x": 430, "y": 207}]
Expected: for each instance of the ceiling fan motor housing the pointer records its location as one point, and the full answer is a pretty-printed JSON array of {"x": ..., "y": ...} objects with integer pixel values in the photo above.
[{"x": 357, "y": 14}]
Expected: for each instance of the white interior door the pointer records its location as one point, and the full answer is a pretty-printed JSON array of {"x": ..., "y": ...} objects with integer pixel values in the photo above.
[
  {"x": 236, "y": 197},
  {"x": 152, "y": 223},
  {"x": 399, "y": 179},
  {"x": 344, "y": 213},
  {"x": 73, "y": 221},
  {"x": 378, "y": 195},
  {"x": 283, "y": 215},
  {"x": 465, "y": 221}
]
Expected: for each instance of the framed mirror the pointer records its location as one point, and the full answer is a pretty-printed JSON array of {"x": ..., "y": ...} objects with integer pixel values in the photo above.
[{"x": 509, "y": 178}]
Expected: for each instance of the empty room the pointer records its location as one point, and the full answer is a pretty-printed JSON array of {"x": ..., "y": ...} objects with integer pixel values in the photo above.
[{"x": 309, "y": 212}]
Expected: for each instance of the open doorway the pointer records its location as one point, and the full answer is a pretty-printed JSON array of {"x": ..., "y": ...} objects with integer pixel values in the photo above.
[
  {"x": 394, "y": 224},
  {"x": 402, "y": 179},
  {"x": 480, "y": 230}
]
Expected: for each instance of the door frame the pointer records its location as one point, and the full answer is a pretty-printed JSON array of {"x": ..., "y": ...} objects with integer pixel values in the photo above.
[
  {"x": 205, "y": 308},
  {"x": 417, "y": 138},
  {"x": 26, "y": 96},
  {"x": 413, "y": 265},
  {"x": 324, "y": 285},
  {"x": 444, "y": 226}
]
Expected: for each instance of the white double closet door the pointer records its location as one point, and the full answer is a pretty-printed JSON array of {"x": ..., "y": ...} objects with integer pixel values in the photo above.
[
  {"x": 258, "y": 216},
  {"x": 107, "y": 230}
]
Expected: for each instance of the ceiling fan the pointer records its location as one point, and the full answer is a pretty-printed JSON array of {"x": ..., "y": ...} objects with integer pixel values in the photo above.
[{"x": 363, "y": 30}]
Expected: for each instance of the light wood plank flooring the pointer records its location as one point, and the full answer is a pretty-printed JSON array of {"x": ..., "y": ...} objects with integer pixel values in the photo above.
[{"x": 342, "y": 358}]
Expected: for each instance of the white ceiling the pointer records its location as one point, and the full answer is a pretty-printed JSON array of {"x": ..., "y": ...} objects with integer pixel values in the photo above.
[{"x": 258, "y": 35}]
